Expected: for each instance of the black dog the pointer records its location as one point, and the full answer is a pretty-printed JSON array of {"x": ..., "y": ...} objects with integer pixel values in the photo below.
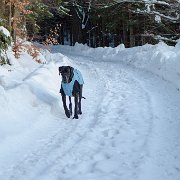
[{"x": 71, "y": 85}]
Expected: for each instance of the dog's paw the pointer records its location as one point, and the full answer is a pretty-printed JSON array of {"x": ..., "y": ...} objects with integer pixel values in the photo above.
[
  {"x": 80, "y": 112},
  {"x": 75, "y": 117},
  {"x": 67, "y": 114}
]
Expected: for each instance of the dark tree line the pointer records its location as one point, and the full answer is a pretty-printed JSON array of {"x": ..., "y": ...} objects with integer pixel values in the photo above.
[
  {"x": 93, "y": 22},
  {"x": 130, "y": 22}
]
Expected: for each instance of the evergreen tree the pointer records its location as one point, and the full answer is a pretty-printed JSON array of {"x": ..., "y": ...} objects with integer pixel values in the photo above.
[
  {"x": 160, "y": 19},
  {"x": 5, "y": 41}
]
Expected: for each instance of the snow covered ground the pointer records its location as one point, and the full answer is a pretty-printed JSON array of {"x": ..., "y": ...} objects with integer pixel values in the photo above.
[{"x": 129, "y": 129}]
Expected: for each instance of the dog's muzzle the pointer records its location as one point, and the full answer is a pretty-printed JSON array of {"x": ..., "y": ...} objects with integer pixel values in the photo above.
[{"x": 65, "y": 79}]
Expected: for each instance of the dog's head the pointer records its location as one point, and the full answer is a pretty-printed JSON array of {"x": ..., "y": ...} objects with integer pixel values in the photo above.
[{"x": 67, "y": 73}]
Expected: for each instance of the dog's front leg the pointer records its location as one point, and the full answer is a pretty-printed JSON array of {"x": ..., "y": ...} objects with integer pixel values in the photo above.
[
  {"x": 65, "y": 106},
  {"x": 76, "y": 106},
  {"x": 70, "y": 106},
  {"x": 80, "y": 97}
]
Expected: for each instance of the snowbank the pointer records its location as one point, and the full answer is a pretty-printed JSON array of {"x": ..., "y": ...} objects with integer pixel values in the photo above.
[
  {"x": 160, "y": 59},
  {"x": 5, "y": 31}
]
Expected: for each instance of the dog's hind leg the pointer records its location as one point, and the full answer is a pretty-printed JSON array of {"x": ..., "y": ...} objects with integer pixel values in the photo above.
[
  {"x": 79, "y": 104},
  {"x": 70, "y": 106},
  {"x": 76, "y": 106}
]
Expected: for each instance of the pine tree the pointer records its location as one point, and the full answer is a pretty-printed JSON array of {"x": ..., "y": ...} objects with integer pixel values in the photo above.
[
  {"x": 160, "y": 19},
  {"x": 5, "y": 41}
]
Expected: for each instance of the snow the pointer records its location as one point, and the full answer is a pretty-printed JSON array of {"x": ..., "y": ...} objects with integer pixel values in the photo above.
[
  {"x": 129, "y": 128},
  {"x": 146, "y": 1},
  {"x": 158, "y": 18},
  {"x": 5, "y": 31},
  {"x": 148, "y": 8}
]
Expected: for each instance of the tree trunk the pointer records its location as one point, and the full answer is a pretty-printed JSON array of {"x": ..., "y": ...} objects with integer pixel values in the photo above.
[
  {"x": 124, "y": 33},
  {"x": 62, "y": 34},
  {"x": 131, "y": 33},
  {"x": 3, "y": 7},
  {"x": 13, "y": 32},
  {"x": 10, "y": 15}
]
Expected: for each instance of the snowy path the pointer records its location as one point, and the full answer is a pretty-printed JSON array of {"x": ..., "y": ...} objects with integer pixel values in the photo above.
[
  {"x": 110, "y": 132},
  {"x": 129, "y": 130}
]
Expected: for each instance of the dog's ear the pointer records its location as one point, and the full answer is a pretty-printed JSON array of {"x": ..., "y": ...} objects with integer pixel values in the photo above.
[
  {"x": 71, "y": 69},
  {"x": 60, "y": 69},
  {"x": 71, "y": 72}
]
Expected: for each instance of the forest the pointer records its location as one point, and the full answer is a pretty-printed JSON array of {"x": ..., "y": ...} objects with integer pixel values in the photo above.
[{"x": 97, "y": 23}]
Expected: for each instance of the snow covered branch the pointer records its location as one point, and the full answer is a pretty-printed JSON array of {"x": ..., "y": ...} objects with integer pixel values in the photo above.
[
  {"x": 143, "y": 1},
  {"x": 170, "y": 18}
]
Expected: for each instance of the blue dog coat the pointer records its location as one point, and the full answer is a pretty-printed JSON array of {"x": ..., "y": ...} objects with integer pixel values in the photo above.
[{"x": 68, "y": 87}]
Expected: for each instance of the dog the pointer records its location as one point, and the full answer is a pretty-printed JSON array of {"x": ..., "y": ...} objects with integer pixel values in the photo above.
[{"x": 71, "y": 85}]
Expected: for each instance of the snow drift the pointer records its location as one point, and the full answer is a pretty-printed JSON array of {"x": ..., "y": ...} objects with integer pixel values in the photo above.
[{"x": 160, "y": 59}]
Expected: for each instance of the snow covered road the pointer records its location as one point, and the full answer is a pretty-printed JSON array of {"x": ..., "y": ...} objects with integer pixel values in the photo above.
[{"x": 129, "y": 129}]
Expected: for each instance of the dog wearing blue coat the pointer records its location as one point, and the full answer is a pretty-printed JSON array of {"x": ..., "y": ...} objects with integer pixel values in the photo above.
[{"x": 71, "y": 86}]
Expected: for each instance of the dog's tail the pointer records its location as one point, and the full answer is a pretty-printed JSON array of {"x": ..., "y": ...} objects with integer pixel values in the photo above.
[{"x": 83, "y": 97}]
